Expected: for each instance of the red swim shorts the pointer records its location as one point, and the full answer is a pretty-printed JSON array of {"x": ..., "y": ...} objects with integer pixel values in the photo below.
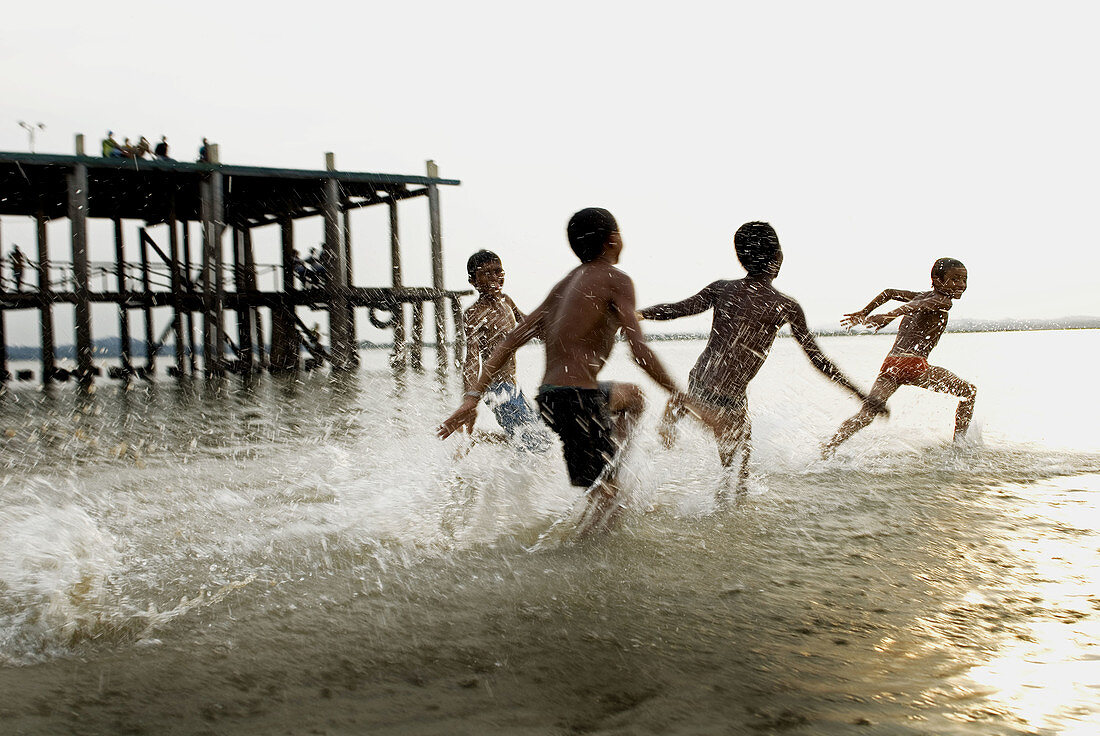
[{"x": 905, "y": 368}]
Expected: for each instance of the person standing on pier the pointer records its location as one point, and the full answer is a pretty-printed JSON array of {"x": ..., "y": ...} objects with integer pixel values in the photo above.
[
  {"x": 18, "y": 262},
  {"x": 110, "y": 147}
]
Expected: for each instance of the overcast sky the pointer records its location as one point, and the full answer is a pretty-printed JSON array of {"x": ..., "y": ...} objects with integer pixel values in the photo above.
[{"x": 875, "y": 136}]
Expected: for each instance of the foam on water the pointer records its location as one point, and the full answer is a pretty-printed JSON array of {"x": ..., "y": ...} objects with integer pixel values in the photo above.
[{"x": 54, "y": 564}]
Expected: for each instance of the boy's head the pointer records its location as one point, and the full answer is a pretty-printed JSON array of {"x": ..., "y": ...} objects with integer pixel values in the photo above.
[
  {"x": 590, "y": 231},
  {"x": 949, "y": 277},
  {"x": 486, "y": 271},
  {"x": 757, "y": 248}
]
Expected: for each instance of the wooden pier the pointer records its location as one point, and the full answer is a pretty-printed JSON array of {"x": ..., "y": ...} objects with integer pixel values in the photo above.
[{"x": 191, "y": 216}]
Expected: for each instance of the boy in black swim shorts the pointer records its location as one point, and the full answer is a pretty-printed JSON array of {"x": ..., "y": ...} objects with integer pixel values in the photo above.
[
  {"x": 582, "y": 418},
  {"x": 577, "y": 322}
]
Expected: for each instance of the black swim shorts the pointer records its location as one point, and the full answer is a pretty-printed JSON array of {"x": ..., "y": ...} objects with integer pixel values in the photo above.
[{"x": 582, "y": 418}]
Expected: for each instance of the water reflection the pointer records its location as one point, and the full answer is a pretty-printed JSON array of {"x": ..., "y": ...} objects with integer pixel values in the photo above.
[{"x": 1046, "y": 670}]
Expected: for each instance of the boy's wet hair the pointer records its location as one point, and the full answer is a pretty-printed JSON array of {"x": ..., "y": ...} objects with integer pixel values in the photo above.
[
  {"x": 756, "y": 245},
  {"x": 590, "y": 231},
  {"x": 479, "y": 259},
  {"x": 943, "y": 265}
]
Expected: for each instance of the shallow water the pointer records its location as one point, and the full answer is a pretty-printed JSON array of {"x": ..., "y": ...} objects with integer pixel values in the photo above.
[{"x": 304, "y": 554}]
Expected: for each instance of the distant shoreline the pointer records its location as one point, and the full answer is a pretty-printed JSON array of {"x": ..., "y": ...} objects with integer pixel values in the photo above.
[{"x": 109, "y": 347}]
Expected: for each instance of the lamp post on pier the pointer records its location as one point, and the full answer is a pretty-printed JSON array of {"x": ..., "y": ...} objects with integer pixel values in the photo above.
[{"x": 31, "y": 128}]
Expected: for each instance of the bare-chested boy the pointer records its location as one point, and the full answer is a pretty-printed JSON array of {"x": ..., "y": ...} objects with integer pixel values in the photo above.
[
  {"x": 924, "y": 319},
  {"x": 748, "y": 314},
  {"x": 577, "y": 322},
  {"x": 485, "y": 323}
]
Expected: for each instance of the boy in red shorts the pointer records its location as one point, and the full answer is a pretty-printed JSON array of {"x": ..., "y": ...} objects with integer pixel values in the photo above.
[{"x": 924, "y": 319}]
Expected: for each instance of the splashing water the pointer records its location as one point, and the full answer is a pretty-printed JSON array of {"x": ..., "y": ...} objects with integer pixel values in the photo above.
[{"x": 906, "y": 581}]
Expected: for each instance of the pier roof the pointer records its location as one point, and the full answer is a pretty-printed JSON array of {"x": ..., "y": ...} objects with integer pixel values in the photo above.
[{"x": 149, "y": 190}]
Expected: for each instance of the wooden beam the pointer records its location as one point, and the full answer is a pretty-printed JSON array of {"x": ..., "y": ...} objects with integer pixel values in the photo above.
[{"x": 78, "y": 220}]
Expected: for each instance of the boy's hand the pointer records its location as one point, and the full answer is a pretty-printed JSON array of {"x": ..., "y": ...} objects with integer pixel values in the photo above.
[
  {"x": 851, "y": 320},
  {"x": 466, "y": 413}
]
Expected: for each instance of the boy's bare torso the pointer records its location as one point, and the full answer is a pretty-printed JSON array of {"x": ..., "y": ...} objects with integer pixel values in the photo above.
[
  {"x": 920, "y": 332},
  {"x": 747, "y": 317},
  {"x": 579, "y": 324},
  {"x": 488, "y": 320}
]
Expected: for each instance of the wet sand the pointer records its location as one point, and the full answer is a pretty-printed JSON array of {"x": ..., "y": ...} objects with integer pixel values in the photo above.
[{"x": 780, "y": 616}]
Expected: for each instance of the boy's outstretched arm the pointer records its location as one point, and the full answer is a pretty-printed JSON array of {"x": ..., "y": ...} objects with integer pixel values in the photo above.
[
  {"x": 513, "y": 341},
  {"x": 932, "y": 302},
  {"x": 857, "y": 318},
  {"x": 701, "y": 302},
  {"x": 801, "y": 332},
  {"x": 623, "y": 300}
]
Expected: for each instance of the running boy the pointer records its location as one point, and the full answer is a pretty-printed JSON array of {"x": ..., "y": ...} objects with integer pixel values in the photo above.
[
  {"x": 486, "y": 322},
  {"x": 924, "y": 319},
  {"x": 577, "y": 323},
  {"x": 748, "y": 314}
]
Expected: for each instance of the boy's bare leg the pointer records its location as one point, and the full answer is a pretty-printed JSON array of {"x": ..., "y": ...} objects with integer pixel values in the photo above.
[
  {"x": 604, "y": 507},
  {"x": 735, "y": 437},
  {"x": 946, "y": 382},
  {"x": 884, "y": 388}
]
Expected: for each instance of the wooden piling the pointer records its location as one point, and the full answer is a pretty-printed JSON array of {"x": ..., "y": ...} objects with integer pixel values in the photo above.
[
  {"x": 399, "y": 354},
  {"x": 349, "y": 280},
  {"x": 151, "y": 341},
  {"x": 336, "y": 279},
  {"x": 49, "y": 364},
  {"x": 244, "y": 312},
  {"x": 78, "y": 219},
  {"x": 124, "y": 346},
  {"x": 189, "y": 284},
  {"x": 175, "y": 280},
  {"x": 437, "y": 268},
  {"x": 212, "y": 215},
  {"x": 460, "y": 334},
  {"x": 5, "y": 375},
  {"x": 416, "y": 342},
  {"x": 285, "y": 343},
  {"x": 256, "y": 328}
]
